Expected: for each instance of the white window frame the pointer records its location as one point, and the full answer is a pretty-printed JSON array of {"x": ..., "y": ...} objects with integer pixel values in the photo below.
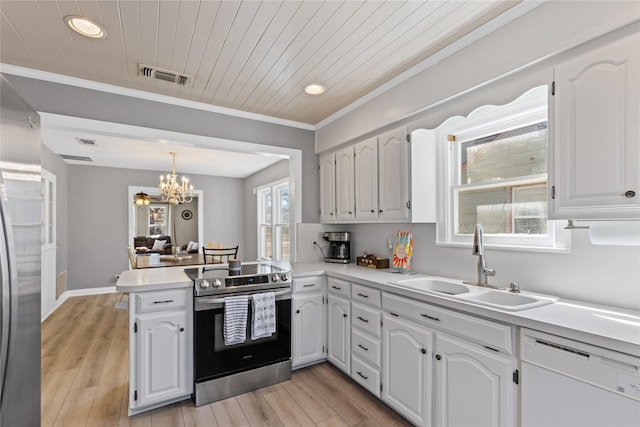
[
  {"x": 276, "y": 222},
  {"x": 49, "y": 197},
  {"x": 529, "y": 109}
]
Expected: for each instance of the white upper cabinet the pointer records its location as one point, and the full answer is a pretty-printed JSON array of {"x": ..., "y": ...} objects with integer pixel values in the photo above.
[
  {"x": 393, "y": 166},
  {"x": 595, "y": 144},
  {"x": 366, "y": 178},
  {"x": 328, "y": 187},
  {"x": 372, "y": 181},
  {"x": 345, "y": 186}
]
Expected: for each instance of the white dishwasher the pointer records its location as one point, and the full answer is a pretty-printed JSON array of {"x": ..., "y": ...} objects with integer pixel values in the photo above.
[{"x": 570, "y": 383}]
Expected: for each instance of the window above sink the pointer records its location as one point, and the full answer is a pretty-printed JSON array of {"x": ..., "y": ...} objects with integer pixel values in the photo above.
[{"x": 495, "y": 174}]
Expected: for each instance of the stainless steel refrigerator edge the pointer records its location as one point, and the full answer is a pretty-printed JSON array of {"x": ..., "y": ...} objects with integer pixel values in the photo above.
[{"x": 20, "y": 234}]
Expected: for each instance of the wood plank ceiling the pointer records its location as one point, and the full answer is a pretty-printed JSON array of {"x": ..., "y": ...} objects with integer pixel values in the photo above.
[{"x": 254, "y": 56}]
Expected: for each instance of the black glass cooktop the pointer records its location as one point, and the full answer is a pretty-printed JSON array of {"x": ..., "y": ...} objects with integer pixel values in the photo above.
[{"x": 222, "y": 272}]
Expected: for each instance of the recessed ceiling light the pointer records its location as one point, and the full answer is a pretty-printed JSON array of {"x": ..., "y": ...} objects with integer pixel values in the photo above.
[
  {"x": 85, "y": 26},
  {"x": 314, "y": 89}
]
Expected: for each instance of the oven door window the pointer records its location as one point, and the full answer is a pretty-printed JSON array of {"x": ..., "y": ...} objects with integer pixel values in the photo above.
[{"x": 214, "y": 359}]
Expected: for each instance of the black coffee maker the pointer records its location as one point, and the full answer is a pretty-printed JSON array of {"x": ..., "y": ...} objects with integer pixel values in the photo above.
[{"x": 339, "y": 246}]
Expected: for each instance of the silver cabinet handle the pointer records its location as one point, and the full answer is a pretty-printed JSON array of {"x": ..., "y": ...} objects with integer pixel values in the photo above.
[
  {"x": 163, "y": 302},
  {"x": 308, "y": 285}
]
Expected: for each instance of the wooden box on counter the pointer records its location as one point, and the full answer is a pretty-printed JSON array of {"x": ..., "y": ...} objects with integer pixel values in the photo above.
[{"x": 377, "y": 263}]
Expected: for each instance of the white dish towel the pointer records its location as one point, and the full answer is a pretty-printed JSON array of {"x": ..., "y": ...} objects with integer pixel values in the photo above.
[
  {"x": 235, "y": 319},
  {"x": 264, "y": 315}
]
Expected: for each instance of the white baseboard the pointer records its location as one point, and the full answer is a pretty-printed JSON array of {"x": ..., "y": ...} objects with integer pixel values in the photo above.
[{"x": 75, "y": 293}]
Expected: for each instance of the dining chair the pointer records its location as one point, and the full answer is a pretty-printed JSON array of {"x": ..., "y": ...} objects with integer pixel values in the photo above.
[
  {"x": 132, "y": 258},
  {"x": 219, "y": 255}
]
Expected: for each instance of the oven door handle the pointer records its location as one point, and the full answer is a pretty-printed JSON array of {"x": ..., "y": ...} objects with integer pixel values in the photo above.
[{"x": 221, "y": 300}]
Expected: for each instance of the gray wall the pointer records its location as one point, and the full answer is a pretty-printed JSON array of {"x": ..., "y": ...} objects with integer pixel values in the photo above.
[
  {"x": 73, "y": 101},
  {"x": 186, "y": 230},
  {"x": 98, "y": 218},
  {"x": 273, "y": 173},
  {"x": 54, "y": 164},
  {"x": 551, "y": 28}
]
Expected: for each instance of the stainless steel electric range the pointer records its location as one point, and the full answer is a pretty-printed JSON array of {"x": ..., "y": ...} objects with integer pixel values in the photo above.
[{"x": 222, "y": 370}]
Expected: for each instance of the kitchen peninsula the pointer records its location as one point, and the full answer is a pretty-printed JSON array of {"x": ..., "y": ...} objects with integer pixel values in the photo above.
[{"x": 500, "y": 334}]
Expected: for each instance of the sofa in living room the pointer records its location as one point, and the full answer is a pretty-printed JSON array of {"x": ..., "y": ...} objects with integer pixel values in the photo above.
[
  {"x": 153, "y": 245},
  {"x": 190, "y": 248}
]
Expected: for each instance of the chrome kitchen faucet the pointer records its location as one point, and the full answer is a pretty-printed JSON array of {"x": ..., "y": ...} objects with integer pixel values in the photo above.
[{"x": 478, "y": 250}]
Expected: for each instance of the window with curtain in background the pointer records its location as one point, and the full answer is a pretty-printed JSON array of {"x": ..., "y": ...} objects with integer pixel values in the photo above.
[{"x": 273, "y": 221}]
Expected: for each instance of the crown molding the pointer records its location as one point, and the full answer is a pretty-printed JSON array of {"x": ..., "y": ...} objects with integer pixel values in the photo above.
[{"x": 148, "y": 96}]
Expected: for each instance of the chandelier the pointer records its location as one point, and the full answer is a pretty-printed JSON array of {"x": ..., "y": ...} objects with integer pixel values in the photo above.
[
  {"x": 171, "y": 191},
  {"x": 142, "y": 198}
]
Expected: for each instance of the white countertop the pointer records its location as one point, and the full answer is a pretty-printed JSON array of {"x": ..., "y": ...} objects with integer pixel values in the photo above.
[
  {"x": 609, "y": 327},
  {"x": 153, "y": 279}
]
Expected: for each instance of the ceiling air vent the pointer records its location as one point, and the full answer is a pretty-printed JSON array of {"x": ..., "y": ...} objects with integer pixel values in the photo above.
[
  {"x": 164, "y": 75},
  {"x": 86, "y": 141},
  {"x": 76, "y": 158}
]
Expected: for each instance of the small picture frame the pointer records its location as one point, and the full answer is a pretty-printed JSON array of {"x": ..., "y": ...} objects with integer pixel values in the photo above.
[{"x": 187, "y": 214}]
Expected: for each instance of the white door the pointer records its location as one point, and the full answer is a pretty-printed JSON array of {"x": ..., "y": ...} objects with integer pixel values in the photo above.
[
  {"x": 345, "y": 188},
  {"x": 308, "y": 328},
  {"x": 366, "y": 179},
  {"x": 393, "y": 161},
  {"x": 48, "y": 242},
  {"x": 407, "y": 351},
  {"x": 339, "y": 333},
  {"x": 162, "y": 357},
  {"x": 474, "y": 386},
  {"x": 327, "y": 187},
  {"x": 595, "y": 144}
]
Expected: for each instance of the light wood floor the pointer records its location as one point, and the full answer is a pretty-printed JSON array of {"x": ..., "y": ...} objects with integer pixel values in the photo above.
[{"x": 85, "y": 380}]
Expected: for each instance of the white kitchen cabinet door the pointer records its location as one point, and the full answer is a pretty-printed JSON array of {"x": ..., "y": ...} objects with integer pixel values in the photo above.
[
  {"x": 406, "y": 369},
  {"x": 474, "y": 386},
  {"x": 339, "y": 333},
  {"x": 345, "y": 186},
  {"x": 308, "y": 328},
  {"x": 393, "y": 171},
  {"x": 327, "y": 187},
  {"x": 595, "y": 134},
  {"x": 161, "y": 357},
  {"x": 366, "y": 179}
]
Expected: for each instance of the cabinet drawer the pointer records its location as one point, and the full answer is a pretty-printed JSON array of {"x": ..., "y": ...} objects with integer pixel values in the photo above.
[
  {"x": 366, "y": 318},
  {"x": 339, "y": 287},
  {"x": 171, "y": 299},
  {"x": 365, "y": 347},
  {"x": 365, "y": 295},
  {"x": 308, "y": 284},
  {"x": 366, "y": 376},
  {"x": 481, "y": 331}
]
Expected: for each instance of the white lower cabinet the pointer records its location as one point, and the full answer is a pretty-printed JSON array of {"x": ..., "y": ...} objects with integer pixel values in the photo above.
[
  {"x": 474, "y": 386},
  {"x": 339, "y": 333},
  {"x": 161, "y": 365},
  {"x": 407, "y": 369},
  {"x": 308, "y": 329},
  {"x": 471, "y": 360}
]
